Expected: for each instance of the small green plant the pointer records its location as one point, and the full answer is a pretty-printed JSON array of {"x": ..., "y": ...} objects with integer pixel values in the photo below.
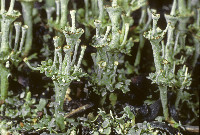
[
  {"x": 109, "y": 123},
  {"x": 165, "y": 61},
  {"x": 63, "y": 70},
  {"x": 10, "y": 55},
  {"x": 108, "y": 98},
  {"x": 109, "y": 48}
]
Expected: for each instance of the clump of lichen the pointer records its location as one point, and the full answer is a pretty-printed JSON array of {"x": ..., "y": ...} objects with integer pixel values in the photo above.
[{"x": 102, "y": 65}]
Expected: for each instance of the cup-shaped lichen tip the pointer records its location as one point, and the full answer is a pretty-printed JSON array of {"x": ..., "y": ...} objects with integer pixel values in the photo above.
[
  {"x": 25, "y": 59},
  {"x": 116, "y": 63}
]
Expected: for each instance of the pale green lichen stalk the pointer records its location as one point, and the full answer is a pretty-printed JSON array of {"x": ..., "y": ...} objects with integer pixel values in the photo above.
[
  {"x": 10, "y": 55},
  {"x": 61, "y": 15},
  {"x": 7, "y": 18},
  {"x": 183, "y": 18},
  {"x": 63, "y": 70},
  {"x": 110, "y": 47},
  {"x": 144, "y": 25},
  {"x": 155, "y": 36},
  {"x": 165, "y": 61},
  {"x": 64, "y": 12},
  {"x": 195, "y": 30},
  {"x": 27, "y": 10}
]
